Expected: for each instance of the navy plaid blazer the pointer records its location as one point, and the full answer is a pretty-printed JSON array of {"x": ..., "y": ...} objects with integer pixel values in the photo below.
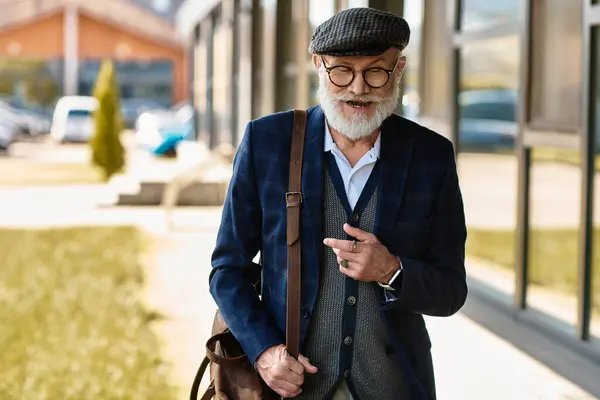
[{"x": 420, "y": 219}]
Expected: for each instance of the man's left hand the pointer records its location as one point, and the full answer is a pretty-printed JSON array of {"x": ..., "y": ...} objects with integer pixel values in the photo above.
[{"x": 368, "y": 261}]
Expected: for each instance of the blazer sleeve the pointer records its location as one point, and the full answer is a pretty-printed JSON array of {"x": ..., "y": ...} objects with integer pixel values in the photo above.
[
  {"x": 233, "y": 275},
  {"x": 436, "y": 284}
]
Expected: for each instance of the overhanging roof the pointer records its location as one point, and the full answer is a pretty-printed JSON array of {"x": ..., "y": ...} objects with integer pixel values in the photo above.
[{"x": 126, "y": 14}]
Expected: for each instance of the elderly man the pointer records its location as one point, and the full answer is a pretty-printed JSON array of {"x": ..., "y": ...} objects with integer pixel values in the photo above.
[{"x": 383, "y": 229}]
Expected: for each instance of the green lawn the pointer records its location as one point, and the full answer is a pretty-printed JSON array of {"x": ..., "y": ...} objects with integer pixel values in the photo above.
[
  {"x": 563, "y": 156},
  {"x": 553, "y": 256},
  {"x": 73, "y": 326}
]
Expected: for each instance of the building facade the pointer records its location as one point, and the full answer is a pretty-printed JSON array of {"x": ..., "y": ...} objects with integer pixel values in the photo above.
[
  {"x": 51, "y": 48},
  {"x": 514, "y": 84}
]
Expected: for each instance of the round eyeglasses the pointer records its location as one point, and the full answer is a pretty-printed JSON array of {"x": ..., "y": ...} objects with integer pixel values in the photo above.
[{"x": 375, "y": 77}]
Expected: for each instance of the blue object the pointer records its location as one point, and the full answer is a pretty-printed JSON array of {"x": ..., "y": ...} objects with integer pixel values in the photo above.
[{"x": 171, "y": 136}]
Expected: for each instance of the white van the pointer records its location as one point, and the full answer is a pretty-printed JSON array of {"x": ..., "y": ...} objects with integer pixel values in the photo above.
[{"x": 73, "y": 119}]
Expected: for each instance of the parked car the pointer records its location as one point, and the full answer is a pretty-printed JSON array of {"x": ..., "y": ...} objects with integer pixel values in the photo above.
[
  {"x": 132, "y": 108},
  {"x": 73, "y": 119},
  {"x": 8, "y": 134},
  {"x": 160, "y": 131},
  {"x": 32, "y": 120},
  {"x": 488, "y": 120}
]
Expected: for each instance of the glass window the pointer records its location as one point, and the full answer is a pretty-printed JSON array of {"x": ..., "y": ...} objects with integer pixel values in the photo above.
[
  {"x": 484, "y": 14},
  {"x": 555, "y": 197},
  {"x": 489, "y": 188},
  {"x": 152, "y": 80},
  {"x": 413, "y": 13},
  {"x": 487, "y": 131},
  {"x": 556, "y": 62},
  {"x": 595, "y": 315},
  {"x": 488, "y": 95}
]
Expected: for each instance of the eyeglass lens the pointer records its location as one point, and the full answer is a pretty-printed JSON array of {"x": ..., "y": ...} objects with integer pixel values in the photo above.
[{"x": 343, "y": 76}]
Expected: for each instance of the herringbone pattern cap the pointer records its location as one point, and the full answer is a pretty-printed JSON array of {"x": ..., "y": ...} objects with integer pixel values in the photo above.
[{"x": 360, "y": 32}]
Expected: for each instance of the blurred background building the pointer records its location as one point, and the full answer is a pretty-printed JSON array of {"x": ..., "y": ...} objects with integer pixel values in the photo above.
[
  {"x": 513, "y": 83},
  {"x": 53, "y": 48}
]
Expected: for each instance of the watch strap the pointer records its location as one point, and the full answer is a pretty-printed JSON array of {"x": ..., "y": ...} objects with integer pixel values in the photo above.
[{"x": 388, "y": 286}]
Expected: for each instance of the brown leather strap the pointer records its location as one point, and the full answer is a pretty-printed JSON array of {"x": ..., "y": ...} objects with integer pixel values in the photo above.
[
  {"x": 226, "y": 340},
  {"x": 294, "y": 200},
  {"x": 210, "y": 392}
]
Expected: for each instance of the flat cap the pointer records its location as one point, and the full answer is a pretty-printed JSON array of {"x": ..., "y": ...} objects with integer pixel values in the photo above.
[{"x": 360, "y": 32}]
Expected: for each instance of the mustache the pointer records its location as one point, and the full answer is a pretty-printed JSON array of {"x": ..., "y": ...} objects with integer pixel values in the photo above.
[{"x": 361, "y": 99}]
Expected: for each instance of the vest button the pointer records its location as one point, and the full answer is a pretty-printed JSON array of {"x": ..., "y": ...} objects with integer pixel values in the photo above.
[
  {"x": 352, "y": 300},
  {"x": 346, "y": 373},
  {"x": 348, "y": 340},
  {"x": 355, "y": 217}
]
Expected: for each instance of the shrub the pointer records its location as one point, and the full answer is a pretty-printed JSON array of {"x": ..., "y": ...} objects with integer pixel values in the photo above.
[{"x": 107, "y": 150}]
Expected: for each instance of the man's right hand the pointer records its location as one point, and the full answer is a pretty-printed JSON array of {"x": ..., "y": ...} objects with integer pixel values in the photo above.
[{"x": 282, "y": 372}]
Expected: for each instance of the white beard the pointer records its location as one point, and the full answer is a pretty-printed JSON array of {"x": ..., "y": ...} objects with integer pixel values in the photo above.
[{"x": 358, "y": 126}]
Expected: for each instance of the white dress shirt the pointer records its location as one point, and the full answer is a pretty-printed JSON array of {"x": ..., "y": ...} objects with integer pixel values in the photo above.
[{"x": 355, "y": 178}]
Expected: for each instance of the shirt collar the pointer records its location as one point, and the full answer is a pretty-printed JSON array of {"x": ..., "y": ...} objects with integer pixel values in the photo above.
[{"x": 330, "y": 144}]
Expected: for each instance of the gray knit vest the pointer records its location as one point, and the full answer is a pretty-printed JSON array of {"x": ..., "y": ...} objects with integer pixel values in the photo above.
[{"x": 373, "y": 373}]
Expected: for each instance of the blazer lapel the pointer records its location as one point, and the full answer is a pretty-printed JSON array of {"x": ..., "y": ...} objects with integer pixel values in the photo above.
[
  {"x": 395, "y": 155},
  {"x": 312, "y": 184}
]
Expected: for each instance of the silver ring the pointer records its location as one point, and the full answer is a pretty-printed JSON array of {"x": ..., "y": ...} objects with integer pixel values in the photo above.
[{"x": 344, "y": 263}]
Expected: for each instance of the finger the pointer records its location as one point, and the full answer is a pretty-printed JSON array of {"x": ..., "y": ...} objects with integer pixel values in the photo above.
[
  {"x": 339, "y": 244},
  {"x": 346, "y": 255},
  {"x": 359, "y": 234},
  {"x": 286, "y": 389},
  {"x": 283, "y": 373},
  {"x": 356, "y": 272},
  {"x": 350, "y": 271},
  {"x": 308, "y": 367},
  {"x": 294, "y": 365},
  {"x": 353, "y": 270}
]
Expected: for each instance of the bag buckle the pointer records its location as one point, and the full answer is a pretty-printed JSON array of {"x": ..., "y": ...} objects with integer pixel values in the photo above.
[{"x": 293, "y": 203}]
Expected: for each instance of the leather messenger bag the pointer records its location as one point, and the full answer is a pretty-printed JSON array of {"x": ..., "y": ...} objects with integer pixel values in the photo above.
[{"x": 232, "y": 375}]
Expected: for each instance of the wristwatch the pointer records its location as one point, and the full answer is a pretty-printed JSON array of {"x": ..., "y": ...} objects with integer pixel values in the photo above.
[{"x": 388, "y": 286}]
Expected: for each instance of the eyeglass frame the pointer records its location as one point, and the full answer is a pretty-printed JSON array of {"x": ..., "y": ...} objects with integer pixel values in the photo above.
[{"x": 363, "y": 73}]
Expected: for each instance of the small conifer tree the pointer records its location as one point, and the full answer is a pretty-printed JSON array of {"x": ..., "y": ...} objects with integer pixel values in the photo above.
[{"x": 107, "y": 150}]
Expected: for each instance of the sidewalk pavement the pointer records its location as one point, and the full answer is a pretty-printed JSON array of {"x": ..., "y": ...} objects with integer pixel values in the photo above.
[
  {"x": 473, "y": 363},
  {"x": 470, "y": 361}
]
